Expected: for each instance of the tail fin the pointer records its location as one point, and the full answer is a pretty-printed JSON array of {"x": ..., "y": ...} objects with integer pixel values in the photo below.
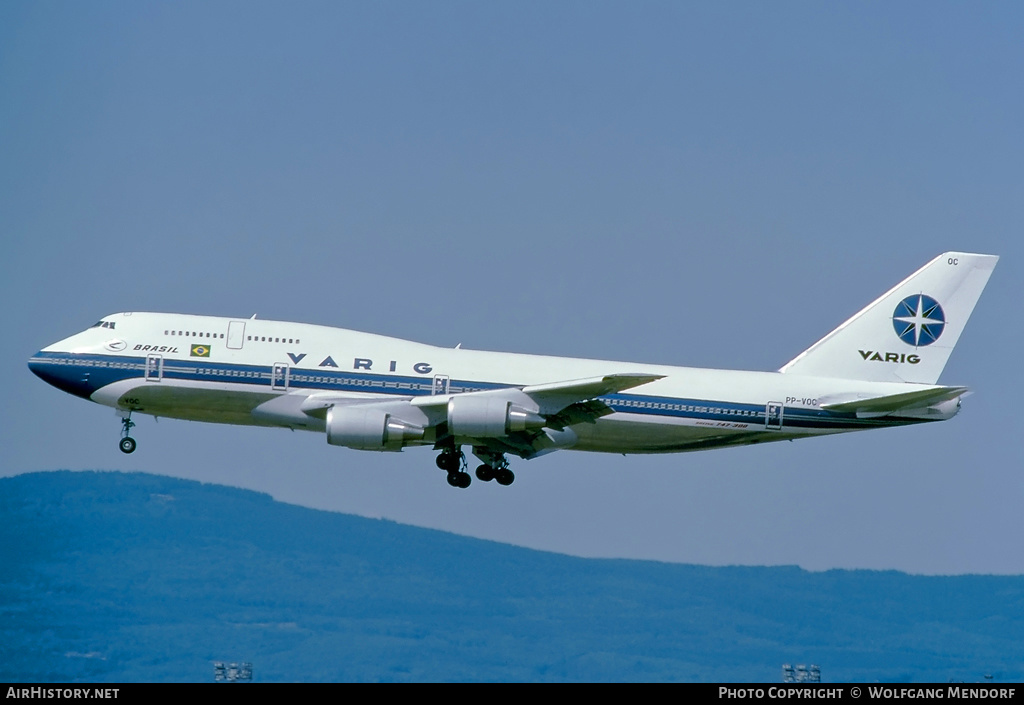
[{"x": 908, "y": 333}]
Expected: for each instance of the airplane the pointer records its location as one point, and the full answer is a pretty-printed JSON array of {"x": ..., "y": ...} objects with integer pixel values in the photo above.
[{"x": 370, "y": 392}]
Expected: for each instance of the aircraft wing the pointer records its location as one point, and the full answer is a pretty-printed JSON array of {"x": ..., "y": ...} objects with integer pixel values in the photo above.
[
  {"x": 893, "y": 403},
  {"x": 558, "y": 395},
  {"x": 552, "y": 397},
  {"x": 546, "y": 409},
  {"x": 560, "y": 404}
]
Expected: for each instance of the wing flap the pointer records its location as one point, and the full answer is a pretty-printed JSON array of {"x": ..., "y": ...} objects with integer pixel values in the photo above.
[{"x": 580, "y": 412}]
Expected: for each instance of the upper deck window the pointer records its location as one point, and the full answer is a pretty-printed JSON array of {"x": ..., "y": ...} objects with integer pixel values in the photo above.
[{"x": 268, "y": 339}]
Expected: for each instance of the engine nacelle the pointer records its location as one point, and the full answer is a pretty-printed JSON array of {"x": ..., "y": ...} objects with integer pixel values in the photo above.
[
  {"x": 489, "y": 417},
  {"x": 366, "y": 427}
]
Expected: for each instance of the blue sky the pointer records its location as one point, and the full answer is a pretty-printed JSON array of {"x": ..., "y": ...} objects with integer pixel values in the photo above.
[{"x": 702, "y": 184}]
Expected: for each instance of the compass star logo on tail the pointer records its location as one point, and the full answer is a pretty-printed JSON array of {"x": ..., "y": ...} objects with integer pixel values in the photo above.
[{"x": 918, "y": 320}]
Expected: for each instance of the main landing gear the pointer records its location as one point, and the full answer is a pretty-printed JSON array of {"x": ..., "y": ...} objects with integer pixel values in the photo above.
[
  {"x": 452, "y": 461},
  {"x": 495, "y": 467},
  {"x": 127, "y": 444}
]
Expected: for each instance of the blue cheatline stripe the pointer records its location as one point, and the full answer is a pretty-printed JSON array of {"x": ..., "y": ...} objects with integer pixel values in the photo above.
[{"x": 107, "y": 369}]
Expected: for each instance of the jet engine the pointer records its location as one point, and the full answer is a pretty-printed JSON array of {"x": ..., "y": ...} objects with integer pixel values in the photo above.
[
  {"x": 366, "y": 427},
  {"x": 489, "y": 417}
]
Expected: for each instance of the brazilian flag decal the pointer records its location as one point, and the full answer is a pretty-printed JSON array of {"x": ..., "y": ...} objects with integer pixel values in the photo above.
[{"x": 200, "y": 351}]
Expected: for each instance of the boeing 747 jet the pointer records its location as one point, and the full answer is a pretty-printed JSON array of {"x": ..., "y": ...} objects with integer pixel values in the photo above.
[{"x": 369, "y": 392}]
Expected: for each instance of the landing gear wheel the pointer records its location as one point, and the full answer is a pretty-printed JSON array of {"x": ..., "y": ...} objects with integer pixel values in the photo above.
[
  {"x": 495, "y": 466},
  {"x": 127, "y": 444},
  {"x": 461, "y": 480},
  {"x": 449, "y": 462},
  {"x": 452, "y": 461}
]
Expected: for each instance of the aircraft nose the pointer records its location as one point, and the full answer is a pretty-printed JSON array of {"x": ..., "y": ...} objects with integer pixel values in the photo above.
[
  {"x": 38, "y": 367},
  {"x": 59, "y": 371}
]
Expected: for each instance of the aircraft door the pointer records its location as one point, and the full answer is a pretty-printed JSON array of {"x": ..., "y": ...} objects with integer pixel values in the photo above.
[
  {"x": 154, "y": 368},
  {"x": 440, "y": 384},
  {"x": 773, "y": 416},
  {"x": 236, "y": 335},
  {"x": 279, "y": 376}
]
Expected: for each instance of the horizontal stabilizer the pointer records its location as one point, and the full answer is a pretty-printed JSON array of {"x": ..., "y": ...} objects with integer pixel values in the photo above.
[{"x": 892, "y": 403}]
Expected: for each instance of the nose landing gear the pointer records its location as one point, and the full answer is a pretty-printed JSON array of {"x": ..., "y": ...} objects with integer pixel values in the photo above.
[{"x": 127, "y": 444}]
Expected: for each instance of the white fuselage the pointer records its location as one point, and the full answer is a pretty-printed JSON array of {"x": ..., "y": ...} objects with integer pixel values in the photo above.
[{"x": 239, "y": 371}]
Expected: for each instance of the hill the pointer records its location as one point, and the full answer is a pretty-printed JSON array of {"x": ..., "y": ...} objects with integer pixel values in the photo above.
[{"x": 134, "y": 577}]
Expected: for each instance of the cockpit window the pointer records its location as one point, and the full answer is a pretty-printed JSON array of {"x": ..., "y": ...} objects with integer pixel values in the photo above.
[{"x": 103, "y": 324}]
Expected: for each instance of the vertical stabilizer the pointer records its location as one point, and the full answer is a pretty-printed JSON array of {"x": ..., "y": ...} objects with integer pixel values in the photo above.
[{"x": 908, "y": 333}]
